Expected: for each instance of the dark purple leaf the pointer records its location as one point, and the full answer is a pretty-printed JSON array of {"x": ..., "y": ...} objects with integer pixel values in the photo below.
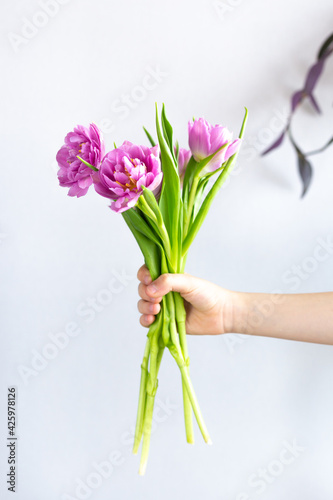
[
  {"x": 314, "y": 103},
  {"x": 275, "y": 145},
  {"x": 313, "y": 75},
  {"x": 296, "y": 98},
  {"x": 327, "y": 48},
  {"x": 305, "y": 171}
]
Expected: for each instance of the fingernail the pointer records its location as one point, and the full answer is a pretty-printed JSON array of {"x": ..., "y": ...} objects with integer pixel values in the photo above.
[
  {"x": 152, "y": 289},
  {"x": 147, "y": 280}
]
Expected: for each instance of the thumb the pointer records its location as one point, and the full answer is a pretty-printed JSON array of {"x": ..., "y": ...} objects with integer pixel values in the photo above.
[{"x": 182, "y": 283}]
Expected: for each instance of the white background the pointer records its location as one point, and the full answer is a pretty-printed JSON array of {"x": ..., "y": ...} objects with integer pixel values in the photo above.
[{"x": 58, "y": 252}]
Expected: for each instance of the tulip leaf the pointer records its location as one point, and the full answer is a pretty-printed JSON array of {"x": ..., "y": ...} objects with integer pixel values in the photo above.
[
  {"x": 141, "y": 225},
  {"x": 151, "y": 200},
  {"x": 87, "y": 164},
  {"x": 150, "y": 138},
  {"x": 204, "y": 180},
  {"x": 147, "y": 204},
  {"x": 147, "y": 246},
  {"x": 167, "y": 131},
  {"x": 199, "y": 194},
  {"x": 177, "y": 150},
  {"x": 202, "y": 164},
  {"x": 170, "y": 200},
  {"x": 210, "y": 174}
]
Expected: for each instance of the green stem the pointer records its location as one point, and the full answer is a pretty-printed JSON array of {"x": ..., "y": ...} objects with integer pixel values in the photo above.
[
  {"x": 188, "y": 180},
  {"x": 142, "y": 398},
  {"x": 153, "y": 334},
  {"x": 165, "y": 323},
  {"x": 176, "y": 345},
  {"x": 195, "y": 404},
  {"x": 181, "y": 319},
  {"x": 173, "y": 328},
  {"x": 146, "y": 433},
  {"x": 151, "y": 388},
  {"x": 159, "y": 357},
  {"x": 187, "y": 414},
  {"x": 164, "y": 305},
  {"x": 189, "y": 209},
  {"x": 190, "y": 390},
  {"x": 149, "y": 411}
]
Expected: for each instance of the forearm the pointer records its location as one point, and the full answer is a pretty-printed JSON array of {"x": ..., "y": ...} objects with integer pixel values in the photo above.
[{"x": 302, "y": 317}]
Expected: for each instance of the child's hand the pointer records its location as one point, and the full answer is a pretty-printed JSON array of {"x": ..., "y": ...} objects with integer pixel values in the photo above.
[
  {"x": 211, "y": 310},
  {"x": 209, "y": 307}
]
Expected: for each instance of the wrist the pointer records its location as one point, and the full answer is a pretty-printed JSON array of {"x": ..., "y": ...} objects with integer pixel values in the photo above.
[{"x": 238, "y": 314}]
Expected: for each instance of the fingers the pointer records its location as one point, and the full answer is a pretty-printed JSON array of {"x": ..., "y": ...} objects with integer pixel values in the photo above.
[
  {"x": 185, "y": 284},
  {"x": 182, "y": 283},
  {"x": 148, "y": 311},
  {"x": 144, "y": 275},
  {"x": 148, "y": 307},
  {"x": 144, "y": 295},
  {"x": 147, "y": 320},
  {"x": 152, "y": 292}
]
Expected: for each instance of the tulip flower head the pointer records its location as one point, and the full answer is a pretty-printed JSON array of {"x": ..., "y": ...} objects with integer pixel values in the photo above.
[
  {"x": 125, "y": 171},
  {"x": 89, "y": 145},
  {"x": 205, "y": 139}
]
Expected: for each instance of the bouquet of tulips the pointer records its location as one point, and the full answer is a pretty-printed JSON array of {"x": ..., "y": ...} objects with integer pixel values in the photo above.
[{"x": 163, "y": 193}]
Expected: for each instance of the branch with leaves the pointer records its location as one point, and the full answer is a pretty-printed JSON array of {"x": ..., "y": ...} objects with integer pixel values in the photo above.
[{"x": 307, "y": 92}]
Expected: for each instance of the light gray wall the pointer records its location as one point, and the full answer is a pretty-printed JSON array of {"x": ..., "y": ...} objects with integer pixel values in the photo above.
[{"x": 258, "y": 396}]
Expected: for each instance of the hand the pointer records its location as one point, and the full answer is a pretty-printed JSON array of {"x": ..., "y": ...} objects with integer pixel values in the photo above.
[
  {"x": 212, "y": 310},
  {"x": 209, "y": 308}
]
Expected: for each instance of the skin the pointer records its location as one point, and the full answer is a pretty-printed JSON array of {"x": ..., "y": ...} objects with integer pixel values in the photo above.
[{"x": 213, "y": 310}]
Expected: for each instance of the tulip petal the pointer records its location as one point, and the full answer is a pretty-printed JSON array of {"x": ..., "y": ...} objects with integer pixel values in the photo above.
[
  {"x": 199, "y": 138},
  {"x": 89, "y": 145},
  {"x": 125, "y": 171}
]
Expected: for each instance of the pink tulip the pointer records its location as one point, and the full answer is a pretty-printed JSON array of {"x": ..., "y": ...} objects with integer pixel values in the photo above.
[
  {"x": 123, "y": 173},
  {"x": 89, "y": 145},
  {"x": 204, "y": 140}
]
